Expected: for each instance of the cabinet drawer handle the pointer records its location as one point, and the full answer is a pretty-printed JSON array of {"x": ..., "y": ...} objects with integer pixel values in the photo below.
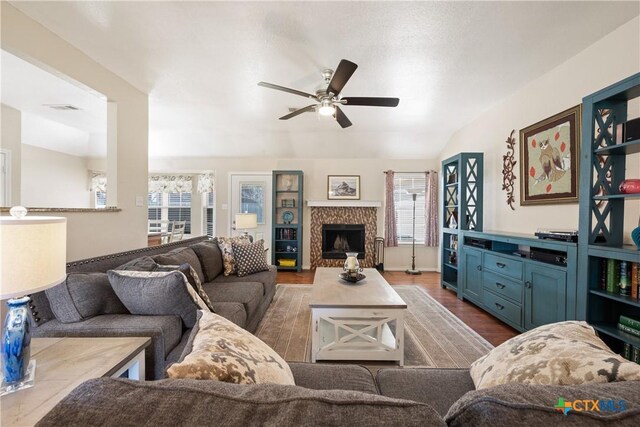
[
  {"x": 527, "y": 285},
  {"x": 479, "y": 268},
  {"x": 499, "y": 306},
  {"x": 501, "y": 265},
  {"x": 500, "y": 285}
]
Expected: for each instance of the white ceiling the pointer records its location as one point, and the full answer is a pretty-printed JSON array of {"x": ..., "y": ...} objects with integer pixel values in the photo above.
[
  {"x": 446, "y": 61},
  {"x": 30, "y": 89}
]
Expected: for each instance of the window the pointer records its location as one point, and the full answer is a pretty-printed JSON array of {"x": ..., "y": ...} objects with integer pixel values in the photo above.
[
  {"x": 404, "y": 206},
  {"x": 170, "y": 207},
  {"x": 208, "y": 214}
]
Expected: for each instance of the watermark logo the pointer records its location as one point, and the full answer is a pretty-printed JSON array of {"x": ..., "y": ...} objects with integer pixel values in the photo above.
[{"x": 590, "y": 405}]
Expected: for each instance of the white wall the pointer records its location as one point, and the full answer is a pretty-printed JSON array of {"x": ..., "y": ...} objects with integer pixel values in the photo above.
[
  {"x": 556, "y": 91},
  {"x": 11, "y": 140},
  {"x": 93, "y": 234},
  {"x": 54, "y": 179},
  {"x": 315, "y": 188}
]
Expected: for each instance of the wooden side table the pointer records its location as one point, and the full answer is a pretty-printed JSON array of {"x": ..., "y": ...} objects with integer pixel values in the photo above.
[{"x": 64, "y": 363}]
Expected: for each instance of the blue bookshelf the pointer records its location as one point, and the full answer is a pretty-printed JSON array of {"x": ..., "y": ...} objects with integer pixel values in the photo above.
[
  {"x": 287, "y": 219},
  {"x": 602, "y": 207}
]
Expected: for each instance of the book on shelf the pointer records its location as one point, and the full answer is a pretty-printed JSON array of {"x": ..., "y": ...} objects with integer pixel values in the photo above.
[
  {"x": 630, "y": 322},
  {"x": 628, "y": 330},
  {"x": 612, "y": 276},
  {"x": 620, "y": 277}
]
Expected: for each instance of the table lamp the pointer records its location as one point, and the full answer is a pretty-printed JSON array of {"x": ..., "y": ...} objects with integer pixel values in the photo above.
[
  {"x": 33, "y": 252},
  {"x": 246, "y": 221}
]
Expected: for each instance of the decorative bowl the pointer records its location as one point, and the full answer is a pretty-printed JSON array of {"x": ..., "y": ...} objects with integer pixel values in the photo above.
[
  {"x": 347, "y": 278},
  {"x": 630, "y": 186}
]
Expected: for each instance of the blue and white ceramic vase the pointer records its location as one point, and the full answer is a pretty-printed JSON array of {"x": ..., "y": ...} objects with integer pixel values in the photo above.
[{"x": 16, "y": 340}]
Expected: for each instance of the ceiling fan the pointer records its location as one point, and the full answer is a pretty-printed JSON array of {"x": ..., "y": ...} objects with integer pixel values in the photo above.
[{"x": 327, "y": 99}]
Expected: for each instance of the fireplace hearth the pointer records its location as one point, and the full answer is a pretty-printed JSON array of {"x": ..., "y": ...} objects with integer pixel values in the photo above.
[{"x": 340, "y": 238}]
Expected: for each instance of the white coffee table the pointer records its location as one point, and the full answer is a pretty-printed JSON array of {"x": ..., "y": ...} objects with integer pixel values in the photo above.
[{"x": 362, "y": 321}]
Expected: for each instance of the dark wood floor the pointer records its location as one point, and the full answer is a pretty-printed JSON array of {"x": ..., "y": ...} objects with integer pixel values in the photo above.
[{"x": 490, "y": 328}]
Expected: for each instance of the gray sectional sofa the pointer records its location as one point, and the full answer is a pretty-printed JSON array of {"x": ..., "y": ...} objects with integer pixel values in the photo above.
[
  {"x": 324, "y": 394},
  {"x": 337, "y": 395},
  {"x": 84, "y": 305}
]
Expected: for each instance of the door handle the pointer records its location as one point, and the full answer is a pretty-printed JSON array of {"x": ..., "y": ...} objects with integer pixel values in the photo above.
[
  {"x": 499, "y": 306},
  {"x": 479, "y": 268},
  {"x": 500, "y": 285},
  {"x": 501, "y": 265},
  {"x": 527, "y": 284}
]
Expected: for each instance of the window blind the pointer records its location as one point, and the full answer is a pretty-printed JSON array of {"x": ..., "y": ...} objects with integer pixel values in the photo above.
[{"x": 402, "y": 183}]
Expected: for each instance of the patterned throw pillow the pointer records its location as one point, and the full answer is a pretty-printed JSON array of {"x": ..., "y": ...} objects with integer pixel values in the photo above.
[
  {"x": 250, "y": 258},
  {"x": 223, "y": 351},
  {"x": 192, "y": 277},
  {"x": 226, "y": 247},
  {"x": 564, "y": 353}
]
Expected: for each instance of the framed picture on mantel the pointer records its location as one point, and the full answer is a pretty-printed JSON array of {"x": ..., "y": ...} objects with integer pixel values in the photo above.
[
  {"x": 343, "y": 187},
  {"x": 549, "y": 159}
]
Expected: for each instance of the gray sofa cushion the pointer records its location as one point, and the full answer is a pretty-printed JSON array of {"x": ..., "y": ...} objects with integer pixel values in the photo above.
[
  {"x": 267, "y": 278},
  {"x": 181, "y": 256},
  {"x": 522, "y": 404},
  {"x": 210, "y": 258},
  {"x": 439, "y": 388},
  {"x": 165, "y": 333},
  {"x": 320, "y": 376},
  {"x": 168, "y": 294},
  {"x": 108, "y": 401},
  {"x": 233, "y": 311},
  {"x": 248, "y": 293},
  {"x": 82, "y": 296},
  {"x": 144, "y": 263}
]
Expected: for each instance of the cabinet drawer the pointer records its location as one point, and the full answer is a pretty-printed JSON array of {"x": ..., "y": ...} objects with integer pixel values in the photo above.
[
  {"x": 503, "y": 265},
  {"x": 502, "y": 308},
  {"x": 502, "y": 286}
]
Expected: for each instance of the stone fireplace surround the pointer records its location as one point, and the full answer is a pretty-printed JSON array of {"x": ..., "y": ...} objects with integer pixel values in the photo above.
[{"x": 342, "y": 215}]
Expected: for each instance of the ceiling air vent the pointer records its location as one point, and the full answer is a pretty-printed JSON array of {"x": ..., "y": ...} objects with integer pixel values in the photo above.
[{"x": 62, "y": 107}]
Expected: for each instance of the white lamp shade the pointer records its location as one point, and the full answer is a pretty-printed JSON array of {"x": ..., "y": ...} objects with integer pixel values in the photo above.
[
  {"x": 246, "y": 221},
  {"x": 33, "y": 254},
  {"x": 415, "y": 190}
]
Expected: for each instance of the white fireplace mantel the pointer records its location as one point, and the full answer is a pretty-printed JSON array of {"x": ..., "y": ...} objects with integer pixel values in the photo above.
[{"x": 344, "y": 203}]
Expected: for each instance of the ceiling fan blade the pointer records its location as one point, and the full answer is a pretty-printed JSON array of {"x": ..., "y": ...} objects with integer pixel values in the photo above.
[
  {"x": 373, "y": 102},
  {"x": 341, "y": 118},
  {"x": 341, "y": 76},
  {"x": 300, "y": 111},
  {"x": 286, "y": 89}
]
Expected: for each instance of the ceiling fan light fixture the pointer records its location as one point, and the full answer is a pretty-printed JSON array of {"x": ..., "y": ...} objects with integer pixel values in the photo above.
[{"x": 326, "y": 108}]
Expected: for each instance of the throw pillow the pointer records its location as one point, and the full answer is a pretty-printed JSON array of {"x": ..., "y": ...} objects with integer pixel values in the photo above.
[
  {"x": 250, "y": 258},
  {"x": 564, "y": 353},
  {"x": 220, "y": 350},
  {"x": 180, "y": 256},
  {"x": 226, "y": 247},
  {"x": 192, "y": 278},
  {"x": 82, "y": 296},
  {"x": 144, "y": 263},
  {"x": 157, "y": 293},
  {"x": 210, "y": 258}
]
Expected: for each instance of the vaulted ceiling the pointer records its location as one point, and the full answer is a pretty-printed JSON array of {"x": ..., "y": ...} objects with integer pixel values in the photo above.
[{"x": 200, "y": 63}]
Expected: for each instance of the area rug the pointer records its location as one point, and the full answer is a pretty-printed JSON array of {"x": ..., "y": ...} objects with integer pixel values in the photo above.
[{"x": 434, "y": 337}]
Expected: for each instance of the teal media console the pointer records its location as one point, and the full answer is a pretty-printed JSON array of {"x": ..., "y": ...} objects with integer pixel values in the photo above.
[{"x": 497, "y": 273}]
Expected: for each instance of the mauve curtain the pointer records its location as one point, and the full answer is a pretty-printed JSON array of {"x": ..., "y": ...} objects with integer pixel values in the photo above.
[
  {"x": 390, "y": 236},
  {"x": 431, "y": 209}
]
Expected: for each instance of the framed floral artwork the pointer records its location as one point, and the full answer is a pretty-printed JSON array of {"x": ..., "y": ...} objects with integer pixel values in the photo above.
[{"x": 549, "y": 154}]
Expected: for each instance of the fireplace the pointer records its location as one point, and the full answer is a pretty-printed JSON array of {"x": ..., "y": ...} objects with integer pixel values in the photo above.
[{"x": 340, "y": 238}]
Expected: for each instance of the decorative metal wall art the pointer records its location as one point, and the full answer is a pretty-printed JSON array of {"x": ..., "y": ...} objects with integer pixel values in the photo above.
[{"x": 508, "y": 174}]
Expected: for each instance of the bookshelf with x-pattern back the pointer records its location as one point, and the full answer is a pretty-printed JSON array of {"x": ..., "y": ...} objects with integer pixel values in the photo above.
[{"x": 462, "y": 209}]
